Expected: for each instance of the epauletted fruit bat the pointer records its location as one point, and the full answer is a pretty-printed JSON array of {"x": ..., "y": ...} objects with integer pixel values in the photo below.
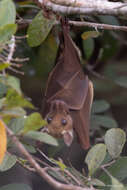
[{"x": 68, "y": 95}]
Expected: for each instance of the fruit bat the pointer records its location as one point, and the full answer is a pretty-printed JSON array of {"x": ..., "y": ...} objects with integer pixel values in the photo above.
[{"x": 68, "y": 95}]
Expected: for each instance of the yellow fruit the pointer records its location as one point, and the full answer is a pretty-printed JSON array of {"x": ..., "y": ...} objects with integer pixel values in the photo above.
[{"x": 3, "y": 140}]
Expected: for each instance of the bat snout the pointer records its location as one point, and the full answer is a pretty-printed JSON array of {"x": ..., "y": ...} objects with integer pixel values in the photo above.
[
  {"x": 68, "y": 136},
  {"x": 53, "y": 130}
]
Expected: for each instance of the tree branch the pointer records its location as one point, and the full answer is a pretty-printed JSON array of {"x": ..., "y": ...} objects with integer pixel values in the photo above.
[
  {"x": 86, "y": 7},
  {"x": 98, "y": 25},
  {"x": 40, "y": 170},
  {"x": 83, "y": 23}
]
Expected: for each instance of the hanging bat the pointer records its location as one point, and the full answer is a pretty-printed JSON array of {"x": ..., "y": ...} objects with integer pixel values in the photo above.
[{"x": 68, "y": 96}]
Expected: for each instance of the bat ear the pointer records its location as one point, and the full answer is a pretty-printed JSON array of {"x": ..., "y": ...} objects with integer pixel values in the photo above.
[{"x": 68, "y": 137}]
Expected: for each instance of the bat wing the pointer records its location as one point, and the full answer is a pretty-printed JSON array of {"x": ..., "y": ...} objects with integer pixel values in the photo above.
[
  {"x": 81, "y": 119},
  {"x": 73, "y": 92},
  {"x": 67, "y": 81}
]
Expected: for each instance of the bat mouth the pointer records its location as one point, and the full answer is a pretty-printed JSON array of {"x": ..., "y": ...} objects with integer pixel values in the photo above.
[
  {"x": 70, "y": 132},
  {"x": 68, "y": 137},
  {"x": 51, "y": 132}
]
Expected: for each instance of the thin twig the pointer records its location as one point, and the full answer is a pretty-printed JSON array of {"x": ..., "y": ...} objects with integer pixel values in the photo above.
[
  {"x": 11, "y": 50},
  {"x": 88, "y": 24},
  {"x": 46, "y": 157},
  {"x": 106, "y": 171},
  {"x": 39, "y": 170},
  {"x": 95, "y": 25},
  {"x": 21, "y": 37},
  {"x": 65, "y": 171},
  {"x": 73, "y": 177},
  {"x": 108, "y": 164},
  {"x": 16, "y": 71},
  {"x": 26, "y": 166},
  {"x": 98, "y": 25},
  {"x": 57, "y": 170},
  {"x": 41, "y": 162},
  {"x": 20, "y": 59}
]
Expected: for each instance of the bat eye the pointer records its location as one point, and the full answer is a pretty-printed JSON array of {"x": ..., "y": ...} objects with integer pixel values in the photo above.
[
  {"x": 49, "y": 119},
  {"x": 64, "y": 121}
]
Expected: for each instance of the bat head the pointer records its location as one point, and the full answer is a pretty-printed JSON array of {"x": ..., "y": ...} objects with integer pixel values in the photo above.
[{"x": 60, "y": 125}]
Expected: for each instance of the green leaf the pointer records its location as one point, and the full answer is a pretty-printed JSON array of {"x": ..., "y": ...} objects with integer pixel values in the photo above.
[
  {"x": 116, "y": 185},
  {"x": 115, "y": 140},
  {"x": 14, "y": 82},
  {"x": 90, "y": 34},
  {"x": 53, "y": 151},
  {"x": 39, "y": 29},
  {"x": 43, "y": 137},
  {"x": 4, "y": 66},
  {"x": 95, "y": 157},
  {"x": 122, "y": 81},
  {"x": 33, "y": 122},
  {"x": 2, "y": 78},
  {"x": 1, "y": 102},
  {"x": 107, "y": 159},
  {"x": 79, "y": 176},
  {"x": 13, "y": 112},
  {"x": 57, "y": 175},
  {"x": 100, "y": 106},
  {"x": 60, "y": 164},
  {"x": 46, "y": 52},
  {"x": 117, "y": 169},
  {"x": 109, "y": 20},
  {"x": 105, "y": 121},
  {"x": 30, "y": 148},
  {"x": 110, "y": 47},
  {"x": 8, "y": 162},
  {"x": 17, "y": 124},
  {"x": 6, "y": 32},
  {"x": 88, "y": 47},
  {"x": 3, "y": 89},
  {"x": 16, "y": 186},
  {"x": 13, "y": 99},
  {"x": 7, "y": 12}
]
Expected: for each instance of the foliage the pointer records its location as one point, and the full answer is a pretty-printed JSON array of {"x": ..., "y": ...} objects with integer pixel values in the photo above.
[{"x": 106, "y": 167}]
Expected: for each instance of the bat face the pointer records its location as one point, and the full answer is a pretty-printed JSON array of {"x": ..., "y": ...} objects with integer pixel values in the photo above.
[{"x": 60, "y": 125}]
